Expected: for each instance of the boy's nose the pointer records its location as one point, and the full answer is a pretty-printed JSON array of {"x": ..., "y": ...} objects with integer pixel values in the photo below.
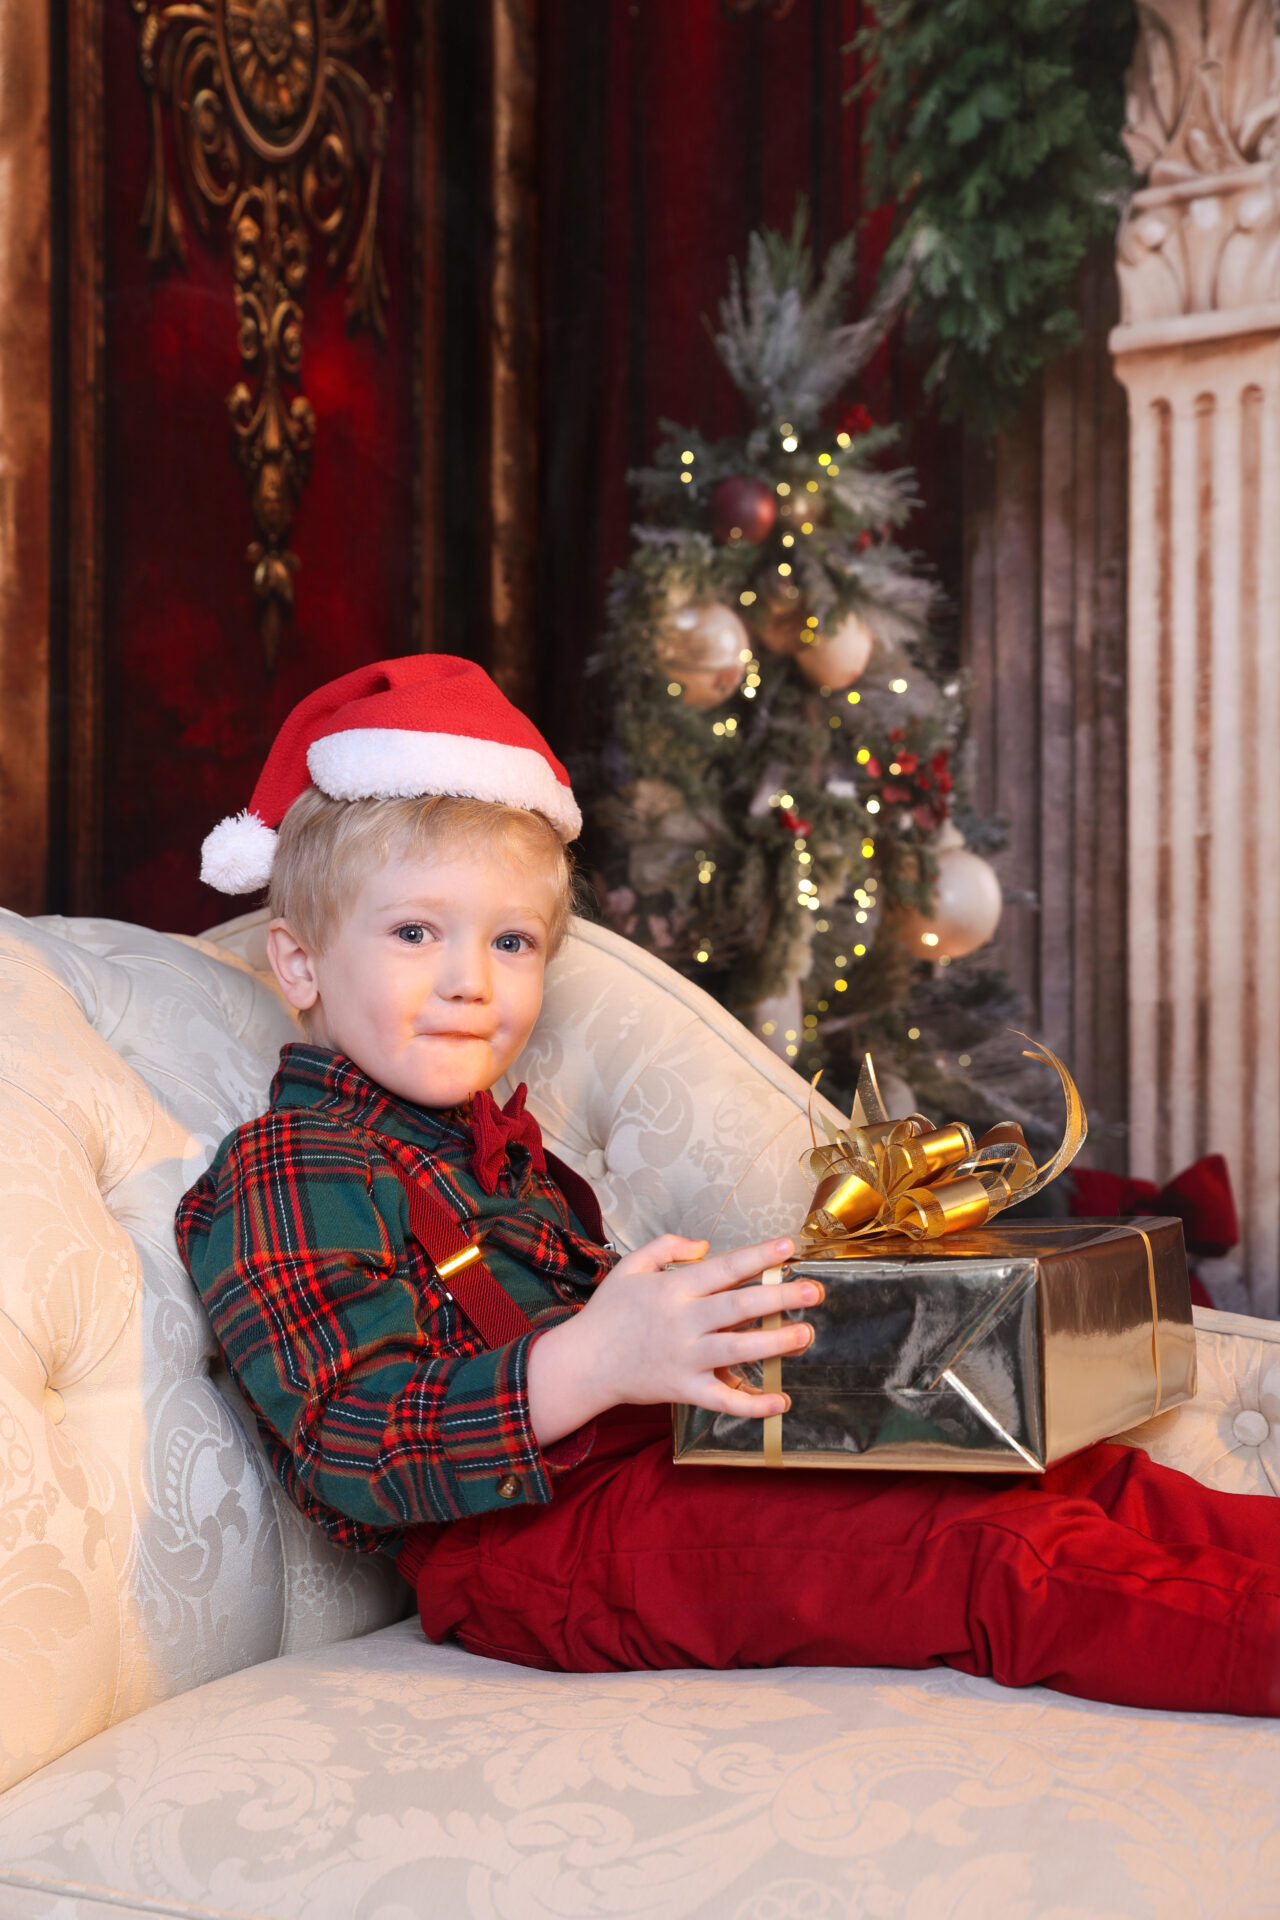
[{"x": 464, "y": 975}]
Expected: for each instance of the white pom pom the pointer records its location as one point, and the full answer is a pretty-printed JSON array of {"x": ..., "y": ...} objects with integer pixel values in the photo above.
[{"x": 238, "y": 855}]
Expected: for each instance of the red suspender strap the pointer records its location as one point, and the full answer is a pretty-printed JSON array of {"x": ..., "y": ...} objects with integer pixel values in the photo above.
[
  {"x": 579, "y": 1195},
  {"x": 487, "y": 1305}
]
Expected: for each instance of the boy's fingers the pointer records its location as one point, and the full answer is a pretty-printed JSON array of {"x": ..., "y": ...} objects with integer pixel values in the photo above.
[
  {"x": 669, "y": 1249},
  {"x": 729, "y": 1269},
  {"x": 747, "y": 1403},
  {"x": 734, "y": 1308},
  {"x": 740, "y": 1349}
]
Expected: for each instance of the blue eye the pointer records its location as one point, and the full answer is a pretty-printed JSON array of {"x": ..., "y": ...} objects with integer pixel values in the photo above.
[
  {"x": 413, "y": 935},
  {"x": 512, "y": 942}
]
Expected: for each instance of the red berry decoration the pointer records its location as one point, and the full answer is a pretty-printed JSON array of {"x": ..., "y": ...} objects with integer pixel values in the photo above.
[
  {"x": 855, "y": 419},
  {"x": 742, "y": 509}
]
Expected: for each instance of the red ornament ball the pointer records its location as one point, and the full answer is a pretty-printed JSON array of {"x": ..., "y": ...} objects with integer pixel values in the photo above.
[{"x": 742, "y": 509}]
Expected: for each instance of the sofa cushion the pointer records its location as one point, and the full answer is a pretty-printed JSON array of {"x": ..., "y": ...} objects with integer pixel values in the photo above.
[
  {"x": 144, "y": 1544},
  {"x": 387, "y": 1780},
  {"x": 1229, "y": 1435}
]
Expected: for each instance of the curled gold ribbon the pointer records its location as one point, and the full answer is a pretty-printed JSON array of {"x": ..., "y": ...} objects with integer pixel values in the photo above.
[{"x": 880, "y": 1176}]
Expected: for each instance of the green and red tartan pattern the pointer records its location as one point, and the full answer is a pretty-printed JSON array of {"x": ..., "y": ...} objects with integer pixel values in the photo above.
[{"x": 377, "y": 1403}]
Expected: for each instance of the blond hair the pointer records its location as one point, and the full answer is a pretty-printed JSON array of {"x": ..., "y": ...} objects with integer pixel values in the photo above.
[{"x": 327, "y": 848}]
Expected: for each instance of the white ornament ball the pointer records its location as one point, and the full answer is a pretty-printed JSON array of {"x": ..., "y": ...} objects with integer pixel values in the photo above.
[
  {"x": 837, "y": 659},
  {"x": 703, "y": 646},
  {"x": 967, "y": 904}
]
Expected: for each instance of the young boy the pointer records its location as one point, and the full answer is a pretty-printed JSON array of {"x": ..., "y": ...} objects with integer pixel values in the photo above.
[{"x": 500, "y": 1425}]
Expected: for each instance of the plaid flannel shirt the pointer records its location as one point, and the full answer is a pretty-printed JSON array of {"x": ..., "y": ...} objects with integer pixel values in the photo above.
[{"x": 379, "y": 1406}]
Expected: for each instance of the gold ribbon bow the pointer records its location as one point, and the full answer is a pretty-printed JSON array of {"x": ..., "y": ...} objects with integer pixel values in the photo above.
[{"x": 880, "y": 1176}]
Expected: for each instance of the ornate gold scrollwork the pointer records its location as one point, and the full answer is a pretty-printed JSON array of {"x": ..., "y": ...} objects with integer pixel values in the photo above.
[{"x": 278, "y": 131}]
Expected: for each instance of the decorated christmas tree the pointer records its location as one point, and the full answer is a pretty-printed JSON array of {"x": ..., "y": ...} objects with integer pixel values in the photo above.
[{"x": 774, "y": 804}]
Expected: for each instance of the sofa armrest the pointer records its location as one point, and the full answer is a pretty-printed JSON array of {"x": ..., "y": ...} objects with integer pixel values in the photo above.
[{"x": 1229, "y": 1435}]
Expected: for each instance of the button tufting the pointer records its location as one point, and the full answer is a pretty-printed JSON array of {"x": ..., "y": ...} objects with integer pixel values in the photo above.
[
  {"x": 55, "y": 1406},
  {"x": 1251, "y": 1428}
]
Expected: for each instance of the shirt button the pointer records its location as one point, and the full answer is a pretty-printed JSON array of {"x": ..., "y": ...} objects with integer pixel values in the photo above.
[{"x": 508, "y": 1486}]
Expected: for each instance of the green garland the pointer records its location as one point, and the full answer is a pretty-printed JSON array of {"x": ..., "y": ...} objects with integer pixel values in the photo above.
[{"x": 994, "y": 126}]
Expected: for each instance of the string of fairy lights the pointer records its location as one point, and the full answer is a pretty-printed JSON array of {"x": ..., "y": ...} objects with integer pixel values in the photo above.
[{"x": 794, "y": 494}]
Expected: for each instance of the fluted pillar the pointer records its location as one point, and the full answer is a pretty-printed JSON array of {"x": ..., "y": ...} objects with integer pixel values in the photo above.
[{"x": 1198, "y": 350}]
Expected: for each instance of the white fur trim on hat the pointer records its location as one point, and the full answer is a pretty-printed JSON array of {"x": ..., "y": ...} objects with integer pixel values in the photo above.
[
  {"x": 238, "y": 855},
  {"x": 386, "y": 763}
]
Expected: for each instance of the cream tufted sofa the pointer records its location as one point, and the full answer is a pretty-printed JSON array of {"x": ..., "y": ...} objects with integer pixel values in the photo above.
[{"x": 207, "y": 1711}]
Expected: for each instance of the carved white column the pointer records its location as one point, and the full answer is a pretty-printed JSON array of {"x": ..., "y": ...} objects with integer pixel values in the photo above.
[{"x": 1198, "y": 350}]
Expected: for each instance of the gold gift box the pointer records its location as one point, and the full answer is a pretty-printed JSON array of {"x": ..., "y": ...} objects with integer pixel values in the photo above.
[{"x": 997, "y": 1351}]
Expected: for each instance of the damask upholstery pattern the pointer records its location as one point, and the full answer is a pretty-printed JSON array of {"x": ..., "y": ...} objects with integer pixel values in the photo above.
[
  {"x": 388, "y": 1780},
  {"x": 164, "y": 1612}
]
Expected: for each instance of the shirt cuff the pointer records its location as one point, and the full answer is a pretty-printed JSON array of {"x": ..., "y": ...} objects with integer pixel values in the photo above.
[{"x": 491, "y": 1458}]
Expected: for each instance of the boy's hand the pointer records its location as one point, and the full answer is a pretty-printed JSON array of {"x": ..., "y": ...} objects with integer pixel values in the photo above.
[{"x": 668, "y": 1324}]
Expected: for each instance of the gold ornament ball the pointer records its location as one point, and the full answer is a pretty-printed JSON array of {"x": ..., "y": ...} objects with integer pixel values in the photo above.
[
  {"x": 701, "y": 646},
  {"x": 779, "y": 613},
  {"x": 837, "y": 659},
  {"x": 799, "y": 505},
  {"x": 967, "y": 904}
]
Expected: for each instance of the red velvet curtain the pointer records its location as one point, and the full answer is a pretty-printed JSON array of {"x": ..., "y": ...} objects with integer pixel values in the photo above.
[{"x": 189, "y": 708}]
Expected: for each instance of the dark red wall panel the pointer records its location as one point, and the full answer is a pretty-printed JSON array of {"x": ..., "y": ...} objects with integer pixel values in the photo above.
[{"x": 189, "y": 708}]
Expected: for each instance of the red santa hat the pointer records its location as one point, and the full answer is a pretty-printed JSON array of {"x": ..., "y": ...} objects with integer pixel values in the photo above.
[{"x": 429, "y": 723}]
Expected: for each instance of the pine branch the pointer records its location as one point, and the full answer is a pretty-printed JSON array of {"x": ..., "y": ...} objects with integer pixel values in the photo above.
[
  {"x": 779, "y": 337},
  {"x": 994, "y": 130}
]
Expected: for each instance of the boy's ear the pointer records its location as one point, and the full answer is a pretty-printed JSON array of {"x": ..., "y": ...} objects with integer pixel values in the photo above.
[{"x": 292, "y": 966}]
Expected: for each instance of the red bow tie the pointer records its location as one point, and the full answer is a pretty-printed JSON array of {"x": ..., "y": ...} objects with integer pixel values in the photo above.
[{"x": 494, "y": 1129}]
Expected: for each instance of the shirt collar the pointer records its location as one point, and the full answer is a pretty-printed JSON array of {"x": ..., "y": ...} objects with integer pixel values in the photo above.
[{"x": 330, "y": 1083}]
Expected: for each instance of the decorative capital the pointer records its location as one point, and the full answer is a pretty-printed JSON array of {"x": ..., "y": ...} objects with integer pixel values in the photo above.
[{"x": 1203, "y": 234}]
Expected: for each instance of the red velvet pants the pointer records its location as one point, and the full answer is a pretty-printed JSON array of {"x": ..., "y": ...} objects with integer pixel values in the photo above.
[{"x": 1107, "y": 1576}]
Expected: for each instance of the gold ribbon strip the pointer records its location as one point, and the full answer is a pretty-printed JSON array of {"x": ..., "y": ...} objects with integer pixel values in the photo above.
[
  {"x": 1155, "y": 1318},
  {"x": 1127, "y": 1226},
  {"x": 771, "y": 1377}
]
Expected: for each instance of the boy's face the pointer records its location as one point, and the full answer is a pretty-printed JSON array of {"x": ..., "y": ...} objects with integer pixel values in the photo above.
[{"x": 433, "y": 981}]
